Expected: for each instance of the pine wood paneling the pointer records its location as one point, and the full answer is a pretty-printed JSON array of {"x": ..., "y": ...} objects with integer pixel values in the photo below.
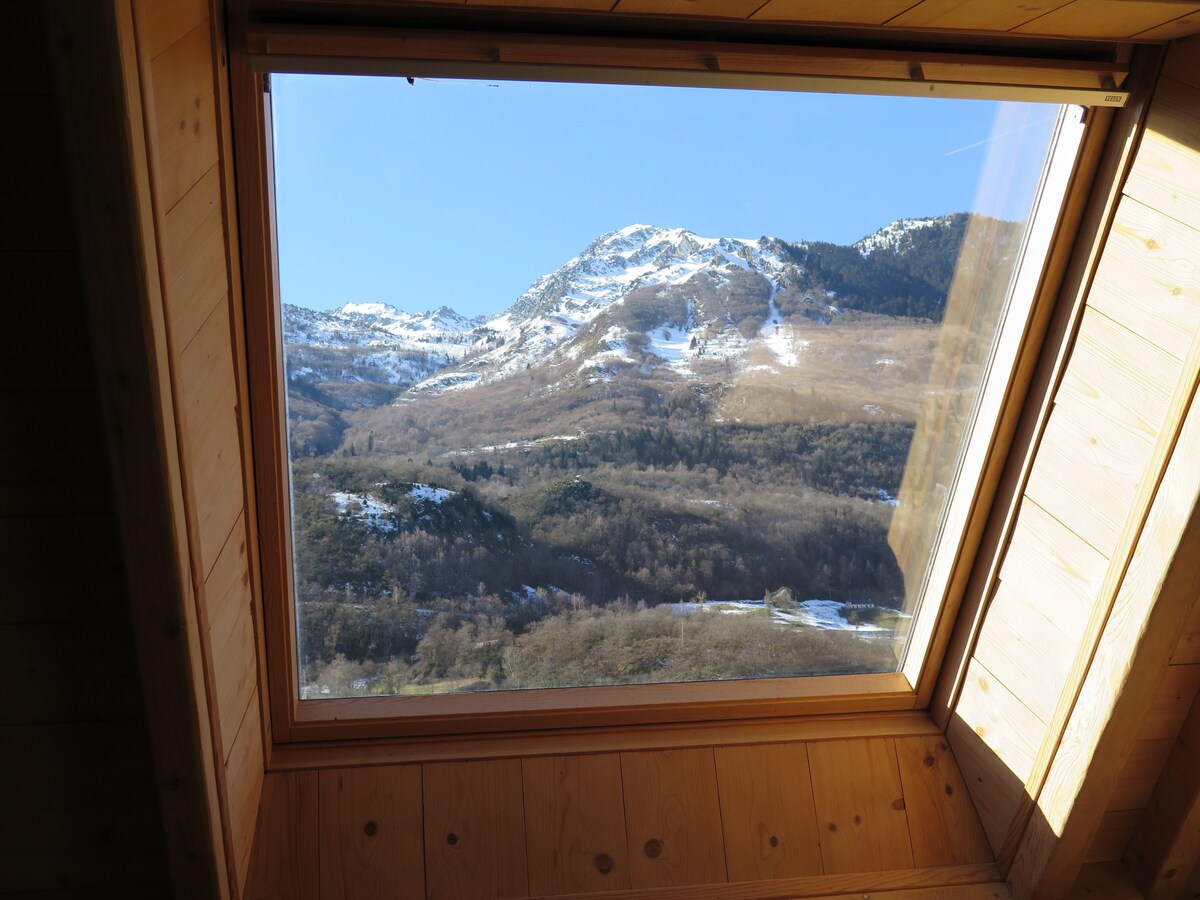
[
  {"x": 1187, "y": 647},
  {"x": 243, "y": 780},
  {"x": 1134, "y": 783},
  {"x": 860, "y": 806},
  {"x": 849, "y": 12},
  {"x": 942, "y": 824},
  {"x": 474, "y": 830},
  {"x": 1164, "y": 853},
  {"x": 160, "y": 23},
  {"x": 575, "y": 824},
  {"x": 1173, "y": 697},
  {"x": 672, "y": 818},
  {"x": 370, "y": 834},
  {"x": 231, "y": 631},
  {"x": 987, "y": 15},
  {"x": 194, "y": 259},
  {"x": 1022, "y": 647},
  {"x": 1112, "y": 835},
  {"x": 207, "y": 400},
  {"x": 1148, "y": 279},
  {"x": 729, "y": 9},
  {"x": 767, "y": 812},
  {"x": 286, "y": 860},
  {"x": 990, "y": 710},
  {"x": 1087, "y": 473},
  {"x": 1117, "y": 376},
  {"x": 85, "y": 849},
  {"x": 1106, "y": 18},
  {"x": 1168, "y": 160}
]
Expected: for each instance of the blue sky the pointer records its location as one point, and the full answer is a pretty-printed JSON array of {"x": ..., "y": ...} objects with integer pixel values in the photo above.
[{"x": 462, "y": 192}]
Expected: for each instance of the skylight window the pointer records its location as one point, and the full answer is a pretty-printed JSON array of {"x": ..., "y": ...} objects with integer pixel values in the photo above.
[{"x": 596, "y": 385}]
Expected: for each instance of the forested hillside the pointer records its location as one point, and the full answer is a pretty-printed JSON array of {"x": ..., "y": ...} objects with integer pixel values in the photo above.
[{"x": 674, "y": 458}]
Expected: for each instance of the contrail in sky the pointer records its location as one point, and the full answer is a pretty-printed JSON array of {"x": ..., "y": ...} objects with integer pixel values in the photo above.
[{"x": 996, "y": 137}]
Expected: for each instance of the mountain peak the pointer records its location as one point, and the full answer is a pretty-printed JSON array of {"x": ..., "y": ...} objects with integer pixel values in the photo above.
[{"x": 890, "y": 235}]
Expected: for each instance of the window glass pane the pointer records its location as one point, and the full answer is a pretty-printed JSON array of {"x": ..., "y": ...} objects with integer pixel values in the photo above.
[{"x": 559, "y": 415}]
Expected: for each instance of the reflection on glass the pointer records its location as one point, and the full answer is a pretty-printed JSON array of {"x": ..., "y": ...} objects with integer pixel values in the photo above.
[{"x": 675, "y": 455}]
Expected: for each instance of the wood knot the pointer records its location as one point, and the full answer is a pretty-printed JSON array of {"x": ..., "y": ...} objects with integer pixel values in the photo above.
[
  {"x": 774, "y": 842},
  {"x": 653, "y": 848},
  {"x": 832, "y": 826},
  {"x": 898, "y": 804},
  {"x": 452, "y": 839},
  {"x": 371, "y": 828},
  {"x": 929, "y": 761},
  {"x": 604, "y": 863},
  {"x": 949, "y": 790}
]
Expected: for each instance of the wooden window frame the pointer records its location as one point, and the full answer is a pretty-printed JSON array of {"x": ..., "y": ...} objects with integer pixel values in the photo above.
[{"x": 559, "y": 715}]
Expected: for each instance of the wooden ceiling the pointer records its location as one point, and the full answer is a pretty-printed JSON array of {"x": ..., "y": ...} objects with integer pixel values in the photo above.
[{"x": 1137, "y": 20}]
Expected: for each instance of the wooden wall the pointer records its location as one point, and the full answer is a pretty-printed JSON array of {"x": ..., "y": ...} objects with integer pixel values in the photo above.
[
  {"x": 1106, "y": 499},
  {"x": 75, "y": 752},
  {"x": 181, "y": 75},
  {"x": 803, "y": 819}
]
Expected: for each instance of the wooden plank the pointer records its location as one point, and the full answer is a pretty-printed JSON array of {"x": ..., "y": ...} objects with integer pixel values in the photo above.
[
  {"x": 24, "y": 56},
  {"x": 575, "y": 824},
  {"x": 597, "y": 5},
  {"x": 860, "y": 806},
  {"x": 212, "y": 449},
  {"x": 1112, "y": 835},
  {"x": 996, "y": 792},
  {"x": 160, "y": 23},
  {"x": 1169, "y": 705},
  {"x": 849, "y": 12},
  {"x": 1116, "y": 375},
  {"x": 41, "y": 765},
  {"x": 1104, "y": 881},
  {"x": 474, "y": 830},
  {"x": 1187, "y": 647},
  {"x": 949, "y": 882},
  {"x": 1024, "y": 649},
  {"x": 972, "y": 15},
  {"x": 88, "y": 848},
  {"x": 231, "y": 634},
  {"x": 98, "y": 82},
  {"x": 1135, "y": 782},
  {"x": 1045, "y": 559},
  {"x": 1170, "y": 31},
  {"x": 193, "y": 259},
  {"x": 672, "y": 818},
  {"x": 1106, "y": 18},
  {"x": 370, "y": 826},
  {"x": 1180, "y": 64},
  {"x": 185, "y": 147},
  {"x": 285, "y": 864},
  {"x": 1147, "y": 279},
  {"x": 181, "y": 76},
  {"x": 992, "y": 712},
  {"x": 1152, "y": 586},
  {"x": 244, "y": 781},
  {"x": 1164, "y": 853},
  {"x": 1166, "y": 171},
  {"x": 1087, "y": 473},
  {"x": 767, "y": 812},
  {"x": 27, "y": 596},
  {"x": 721, "y": 9},
  {"x": 69, "y": 672},
  {"x": 942, "y": 823},
  {"x": 656, "y": 737}
]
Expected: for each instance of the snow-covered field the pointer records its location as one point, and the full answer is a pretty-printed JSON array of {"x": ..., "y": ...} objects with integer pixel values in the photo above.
[{"x": 828, "y": 615}]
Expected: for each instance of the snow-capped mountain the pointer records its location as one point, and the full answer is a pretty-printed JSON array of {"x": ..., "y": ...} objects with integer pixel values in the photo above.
[
  {"x": 639, "y": 296},
  {"x": 614, "y": 267},
  {"x": 374, "y": 342}
]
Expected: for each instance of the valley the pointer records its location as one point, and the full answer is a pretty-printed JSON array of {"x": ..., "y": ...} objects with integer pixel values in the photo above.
[{"x": 651, "y": 467}]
